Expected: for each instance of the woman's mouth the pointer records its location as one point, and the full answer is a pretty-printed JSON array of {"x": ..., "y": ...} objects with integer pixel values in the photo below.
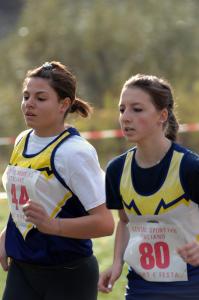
[
  {"x": 29, "y": 114},
  {"x": 128, "y": 129}
]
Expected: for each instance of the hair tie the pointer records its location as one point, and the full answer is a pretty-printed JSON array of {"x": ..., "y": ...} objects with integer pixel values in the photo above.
[{"x": 47, "y": 66}]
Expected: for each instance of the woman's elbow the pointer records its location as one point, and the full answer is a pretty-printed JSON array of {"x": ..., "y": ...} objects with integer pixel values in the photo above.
[
  {"x": 107, "y": 225},
  {"x": 103, "y": 221},
  {"x": 110, "y": 228}
]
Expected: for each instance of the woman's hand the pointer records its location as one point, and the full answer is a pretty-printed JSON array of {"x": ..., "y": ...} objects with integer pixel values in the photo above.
[
  {"x": 3, "y": 255},
  {"x": 108, "y": 278},
  {"x": 36, "y": 214},
  {"x": 190, "y": 253}
]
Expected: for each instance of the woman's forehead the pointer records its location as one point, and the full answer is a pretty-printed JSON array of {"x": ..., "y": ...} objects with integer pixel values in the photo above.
[{"x": 134, "y": 95}]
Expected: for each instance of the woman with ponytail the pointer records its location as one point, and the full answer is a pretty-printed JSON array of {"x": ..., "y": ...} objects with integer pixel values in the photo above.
[
  {"x": 154, "y": 187},
  {"x": 56, "y": 194}
]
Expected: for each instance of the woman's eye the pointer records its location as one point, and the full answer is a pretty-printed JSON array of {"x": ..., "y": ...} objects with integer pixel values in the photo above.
[
  {"x": 25, "y": 98},
  {"x": 137, "y": 109},
  {"x": 41, "y": 99},
  {"x": 121, "y": 110}
]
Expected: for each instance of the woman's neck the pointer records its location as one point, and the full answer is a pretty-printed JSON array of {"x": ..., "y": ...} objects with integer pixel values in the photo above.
[
  {"x": 150, "y": 154},
  {"x": 48, "y": 132}
]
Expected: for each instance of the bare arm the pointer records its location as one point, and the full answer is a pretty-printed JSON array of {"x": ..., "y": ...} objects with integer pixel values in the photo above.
[
  {"x": 3, "y": 255},
  {"x": 98, "y": 223},
  {"x": 122, "y": 238},
  {"x": 108, "y": 277}
]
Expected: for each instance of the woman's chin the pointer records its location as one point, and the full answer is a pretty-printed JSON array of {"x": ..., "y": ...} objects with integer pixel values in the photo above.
[{"x": 130, "y": 138}]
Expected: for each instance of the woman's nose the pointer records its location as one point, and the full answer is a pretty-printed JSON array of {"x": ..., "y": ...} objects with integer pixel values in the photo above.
[
  {"x": 30, "y": 102},
  {"x": 126, "y": 116}
]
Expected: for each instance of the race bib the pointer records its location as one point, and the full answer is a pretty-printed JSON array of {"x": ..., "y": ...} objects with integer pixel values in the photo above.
[
  {"x": 19, "y": 184},
  {"x": 151, "y": 252}
]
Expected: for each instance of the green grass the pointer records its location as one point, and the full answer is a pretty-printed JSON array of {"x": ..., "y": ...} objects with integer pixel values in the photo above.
[
  {"x": 3, "y": 219},
  {"x": 103, "y": 248}
]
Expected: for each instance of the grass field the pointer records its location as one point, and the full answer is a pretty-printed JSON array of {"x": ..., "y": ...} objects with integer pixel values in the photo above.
[
  {"x": 103, "y": 251},
  {"x": 3, "y": 217}
]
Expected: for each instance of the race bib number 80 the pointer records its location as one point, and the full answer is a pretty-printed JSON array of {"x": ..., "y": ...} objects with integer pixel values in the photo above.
[
  {"x": 151, "y": 252},
  {"x": 152, "y": 255}
]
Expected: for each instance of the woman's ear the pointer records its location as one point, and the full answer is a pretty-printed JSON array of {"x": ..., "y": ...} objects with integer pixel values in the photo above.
[
  {"x": 65, "y": 104},
  {"x": 163, "y": 116}
]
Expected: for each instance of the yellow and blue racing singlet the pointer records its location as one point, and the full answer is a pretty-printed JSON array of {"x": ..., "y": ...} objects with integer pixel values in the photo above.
[
  {"x": 169, "y": 202},
  {"x": 34, "y": 176}
]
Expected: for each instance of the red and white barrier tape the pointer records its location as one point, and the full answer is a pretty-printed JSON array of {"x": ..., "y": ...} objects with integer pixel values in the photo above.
[
  {"x": 7, "y": 140},
  {"x": 3, "y": 196},
  {"x": 104, "y": 134},
  {"x": 189, "y": 127}
]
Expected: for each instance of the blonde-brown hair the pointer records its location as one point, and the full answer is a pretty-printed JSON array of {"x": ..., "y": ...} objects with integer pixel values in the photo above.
[{"x": 162, "y": 97}]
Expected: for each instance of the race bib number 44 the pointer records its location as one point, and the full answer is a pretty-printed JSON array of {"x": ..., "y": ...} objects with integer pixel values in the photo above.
[
  {"x": 19, "y": 184},
  {"x": 151, "y": 252}
]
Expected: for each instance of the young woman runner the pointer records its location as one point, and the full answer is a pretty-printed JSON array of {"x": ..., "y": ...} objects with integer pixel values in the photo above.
[
  {"x": 55, "y": 188},
  {"x": 154, "y": 187}
]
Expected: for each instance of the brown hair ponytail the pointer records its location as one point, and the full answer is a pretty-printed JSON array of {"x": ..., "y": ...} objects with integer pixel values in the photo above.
[
  {"x": 172, "y": 126},
  {"x": 81, "y": 107}
]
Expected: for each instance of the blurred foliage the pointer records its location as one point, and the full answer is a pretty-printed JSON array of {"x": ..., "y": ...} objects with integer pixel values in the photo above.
[{"x": 104, "y": 42}]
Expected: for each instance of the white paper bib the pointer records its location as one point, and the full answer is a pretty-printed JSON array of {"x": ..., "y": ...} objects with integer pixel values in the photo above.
[
  {"x": 151, "y": 252},
  {"x": 19, "y": 184}
]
